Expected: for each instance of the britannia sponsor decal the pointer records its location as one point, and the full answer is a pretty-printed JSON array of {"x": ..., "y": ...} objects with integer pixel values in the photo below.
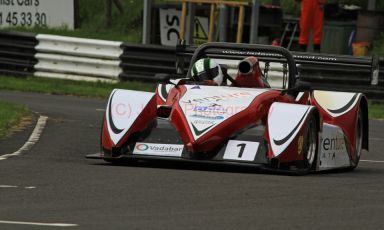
[{"x": 170, "y": 150}]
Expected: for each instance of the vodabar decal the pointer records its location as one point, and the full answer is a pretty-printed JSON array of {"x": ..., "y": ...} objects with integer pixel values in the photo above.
[{"x": 154, "y": 149}]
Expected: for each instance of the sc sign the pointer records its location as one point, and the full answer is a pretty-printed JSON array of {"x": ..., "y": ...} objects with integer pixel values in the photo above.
[
  {"x": 170, "y": 20},
  {"x": 44, "y": 13}
]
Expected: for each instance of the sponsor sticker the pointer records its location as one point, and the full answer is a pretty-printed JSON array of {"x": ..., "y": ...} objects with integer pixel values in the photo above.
[
  {"x": 300, "y": 144},
  {"x": 203, "y": 122},
  {"x": 210, "y": 109},
  {"x": 333, "y": 150},
  {"x": 208, "y": 117},
  {"x": 167, "y": 150}
]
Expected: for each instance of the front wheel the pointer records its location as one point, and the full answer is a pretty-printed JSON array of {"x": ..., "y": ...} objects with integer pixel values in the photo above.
[{"x": 310, "y": 146}]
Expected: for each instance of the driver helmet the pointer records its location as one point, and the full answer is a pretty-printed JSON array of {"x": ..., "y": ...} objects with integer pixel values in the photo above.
[{"x": 207, "y": 69}]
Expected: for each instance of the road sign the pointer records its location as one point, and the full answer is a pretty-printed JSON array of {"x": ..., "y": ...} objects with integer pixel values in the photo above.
[
  {"x": 170, "y": 27},
  {"x": 44, "y": 13},
  {"x": 199, "y": 34}
]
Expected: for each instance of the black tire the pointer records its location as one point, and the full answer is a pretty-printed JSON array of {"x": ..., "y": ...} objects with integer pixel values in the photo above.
[
  {"x": 310, "y": 146},
  {"x": 359, "y": 139}
]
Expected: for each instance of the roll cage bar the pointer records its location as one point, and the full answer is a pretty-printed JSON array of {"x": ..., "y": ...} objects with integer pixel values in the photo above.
[
  {"x": 272, "y": 54},
  {"x": 229, "y": 50}
]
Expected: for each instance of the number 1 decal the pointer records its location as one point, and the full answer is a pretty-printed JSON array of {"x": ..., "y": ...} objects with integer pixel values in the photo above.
[
  {"x": 241, "y": 150},
  {"x": 242, "y": 146}
]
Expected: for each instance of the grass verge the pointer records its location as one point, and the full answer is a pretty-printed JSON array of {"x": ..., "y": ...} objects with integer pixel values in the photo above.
[
  {"x": 68, "y": 87},
  {"x": 376, "y": 110},
  {"x": 10, "y": 116}
]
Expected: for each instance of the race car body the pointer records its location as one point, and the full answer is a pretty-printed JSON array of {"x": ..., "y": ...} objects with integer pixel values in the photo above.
[{"x": 295, "y": 129}]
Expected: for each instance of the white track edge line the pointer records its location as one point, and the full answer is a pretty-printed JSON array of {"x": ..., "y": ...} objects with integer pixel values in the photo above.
[
  {"x": 8, "y": 186},
  {"x": 35, "y": 136},
  {"x": 372, "y": 161},
  {"x": 39, "y": 224}
]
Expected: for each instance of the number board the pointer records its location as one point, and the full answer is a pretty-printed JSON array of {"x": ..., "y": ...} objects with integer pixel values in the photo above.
[
  {"x": 241, "y": 150},
  {"x": 43, "y": 13}
]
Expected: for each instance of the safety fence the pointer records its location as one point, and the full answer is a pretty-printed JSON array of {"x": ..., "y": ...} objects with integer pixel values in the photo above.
[
  {"x": 17, "y": 53},
  {"x": 41, "y": 55},
  {"x": 77, "y": 58},
  {"x": 141, "y": 62}
]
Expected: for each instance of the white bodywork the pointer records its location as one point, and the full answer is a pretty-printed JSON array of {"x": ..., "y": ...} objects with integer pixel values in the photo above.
[
  {"x": 333, "y": 152},
  {"x": 205, "y": 107},
  {"x": 284, "y": 123},
  {"x": 336, "y": 103},
  {"x": 124, "y": 107}
]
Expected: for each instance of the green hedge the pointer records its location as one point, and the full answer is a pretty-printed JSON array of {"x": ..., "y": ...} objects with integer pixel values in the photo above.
[{"x": 378, "y": 46}]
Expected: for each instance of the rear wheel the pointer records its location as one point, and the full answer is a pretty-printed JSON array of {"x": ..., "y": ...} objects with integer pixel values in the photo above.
[
  {"x": 358, "y": 139},
  {"x": 310, "y": 145}
]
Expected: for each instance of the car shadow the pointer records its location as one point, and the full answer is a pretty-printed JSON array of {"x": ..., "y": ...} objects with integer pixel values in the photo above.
[{"x": 193, "y": 166}]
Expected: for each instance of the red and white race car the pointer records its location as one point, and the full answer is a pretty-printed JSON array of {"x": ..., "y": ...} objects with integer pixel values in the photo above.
[{"x": 239, "y": 121}]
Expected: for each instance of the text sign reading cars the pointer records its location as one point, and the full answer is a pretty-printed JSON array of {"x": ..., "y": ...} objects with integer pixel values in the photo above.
[
  {"x": 166, "y": 150},
  {"x": 43, "y": 13}
]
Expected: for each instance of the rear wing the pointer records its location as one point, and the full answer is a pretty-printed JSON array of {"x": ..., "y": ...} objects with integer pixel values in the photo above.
[{"x": 187, "y": 55}]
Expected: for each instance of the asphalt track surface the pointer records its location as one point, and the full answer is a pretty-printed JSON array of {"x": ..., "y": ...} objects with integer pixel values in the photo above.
[{"x": 54, "y": 183}]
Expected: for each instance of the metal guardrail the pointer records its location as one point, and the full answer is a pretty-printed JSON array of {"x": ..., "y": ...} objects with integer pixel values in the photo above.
[
  {"x": 77, "y": 58},
  {"x": 80, "y": 47},
  {"x": 142, "y": 62},
  {"x": 94, "y": 60},
  {"x": 17, "y": 52}
]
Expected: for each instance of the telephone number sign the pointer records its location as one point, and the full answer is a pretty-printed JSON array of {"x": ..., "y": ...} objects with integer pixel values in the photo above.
[{"x": 29, "y": 13}]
